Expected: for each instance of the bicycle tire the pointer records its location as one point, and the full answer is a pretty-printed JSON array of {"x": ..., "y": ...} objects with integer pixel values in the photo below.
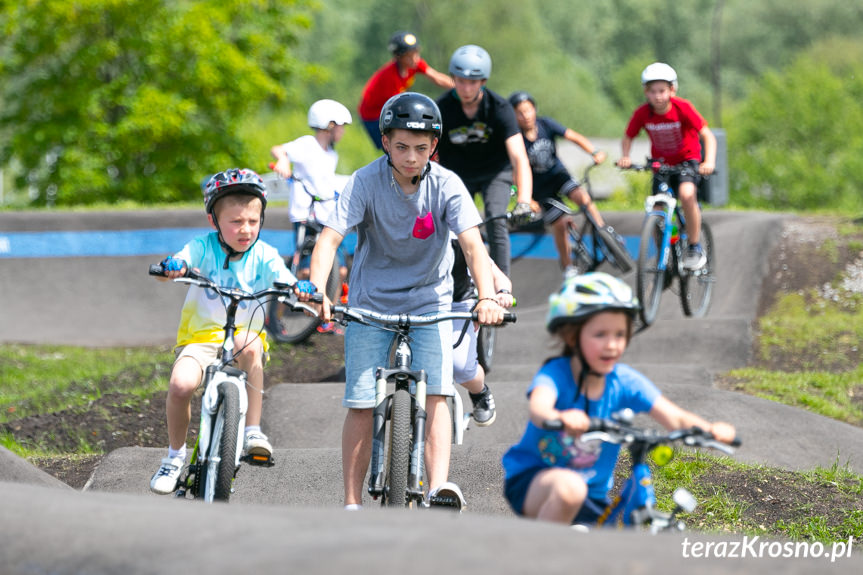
[
  {"x": 288, "y": 326},
  {"x": 579, "y": 255},
  {"x": 612, "y": 251},
  {"x": 399, "y": 452},
  {"x": 485, "y": 346},
  {"x": 696, "y": 288},
  {"x": 219, "y": 472},
  {"x": 650, "y": 281}
]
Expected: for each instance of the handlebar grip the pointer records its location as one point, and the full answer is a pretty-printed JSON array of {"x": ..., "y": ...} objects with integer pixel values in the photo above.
[
  {"x": 317, "y": 297},
  {"x": 552, "y": 425},
  {"x": 272, "y": 165},
  {"x": 736, "y": 442},
  {"x": 509, "y": 317},
  {"x": 157, "y": 270}
]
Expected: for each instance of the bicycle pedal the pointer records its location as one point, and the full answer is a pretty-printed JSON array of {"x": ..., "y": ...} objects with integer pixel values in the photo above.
[
  {"x": 450, "y": 501},
  {"x": 258, "y": 459}
]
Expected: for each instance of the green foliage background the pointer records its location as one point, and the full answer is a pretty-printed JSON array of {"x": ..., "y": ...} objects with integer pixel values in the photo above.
[{"x": 98, "y": 103}]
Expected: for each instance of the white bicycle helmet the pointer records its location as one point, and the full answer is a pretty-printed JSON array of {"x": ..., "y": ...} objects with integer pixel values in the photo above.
[
  {"x": 582, "y": 296},
  {"x": 659, "y": 71},
  {"x": 322, "y": 112}
]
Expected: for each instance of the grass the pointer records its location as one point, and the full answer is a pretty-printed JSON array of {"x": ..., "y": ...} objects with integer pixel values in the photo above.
[
  {"x": 43, "y": 379},
  {"x": 823, "y": 504}
]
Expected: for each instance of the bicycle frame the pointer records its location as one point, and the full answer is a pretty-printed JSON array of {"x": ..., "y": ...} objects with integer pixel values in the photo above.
[{"x": 664, "y": 204}]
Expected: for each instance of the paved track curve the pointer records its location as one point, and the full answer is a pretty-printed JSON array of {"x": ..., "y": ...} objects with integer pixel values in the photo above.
[{"x": 290, "y": 515}]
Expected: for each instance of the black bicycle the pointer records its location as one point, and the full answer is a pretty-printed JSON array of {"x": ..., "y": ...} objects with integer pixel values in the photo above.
[
  {"x": 591, "y": 244},
  {"x": 399, "y": 418},
  {"x": 664, "y": 241},
  {"x": 283, "y": 323}
]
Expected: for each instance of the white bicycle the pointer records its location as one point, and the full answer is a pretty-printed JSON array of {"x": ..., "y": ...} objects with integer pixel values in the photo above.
[{"x": 216, "y": 456}]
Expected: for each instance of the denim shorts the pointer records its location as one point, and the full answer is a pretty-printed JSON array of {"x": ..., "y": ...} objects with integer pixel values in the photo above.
[
  {"x": 367, "y": 348},
  {"x": 464, "y": 359}
]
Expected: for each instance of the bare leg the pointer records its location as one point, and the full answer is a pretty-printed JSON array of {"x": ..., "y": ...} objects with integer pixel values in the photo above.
[
  {"x": 555, "y": 494},
  {"x": 438, "y": 440},
  {"x": 251, "y": 361},
  {"x": 356, "y": 453},
  {"x": 558, "y": 233},
  {"x": 185, "y": 379},
  {"x": 691, "y": 211}
]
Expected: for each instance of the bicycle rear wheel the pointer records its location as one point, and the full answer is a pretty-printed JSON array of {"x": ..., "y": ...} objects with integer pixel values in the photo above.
[
  {"x": 579, "y": 255},
  {"x": 398, "y": 456},
  {"x": 219, "y": 470},
  {"x": 289, "y": 326},
  {"x": 485, "y": 346},
  {"x": 613, "y": 252},
  {"x": 696, "y": 287},
  {"x": 650, "y": 282}
]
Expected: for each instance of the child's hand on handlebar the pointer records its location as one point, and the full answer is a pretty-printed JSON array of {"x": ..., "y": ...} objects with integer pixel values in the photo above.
[
  {"x": 504, "y": 299},
  {"x": 624, "y": 162},
  {"x": 489, "y": 311},
  {"x": 173, "y": 267},
  {"x": 723, "y": 432},
  {"x": 575, "y": 421}
]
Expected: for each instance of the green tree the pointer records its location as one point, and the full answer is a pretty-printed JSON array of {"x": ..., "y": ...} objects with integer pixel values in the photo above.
[
  {"x": 134, "y": 99},
  {"x": 797, "y": 141}
]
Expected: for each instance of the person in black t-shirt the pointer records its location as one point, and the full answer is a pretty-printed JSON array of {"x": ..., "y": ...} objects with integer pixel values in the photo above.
[
  {"x": 550, "y": 177},
  {"x": 481, "y": 142}
]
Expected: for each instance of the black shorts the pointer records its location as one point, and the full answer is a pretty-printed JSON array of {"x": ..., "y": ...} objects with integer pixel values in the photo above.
[{"x": 674, "y": 180}]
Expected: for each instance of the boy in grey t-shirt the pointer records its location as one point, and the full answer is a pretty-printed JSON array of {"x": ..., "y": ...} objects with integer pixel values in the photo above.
[{"x": 403, "y": 207}]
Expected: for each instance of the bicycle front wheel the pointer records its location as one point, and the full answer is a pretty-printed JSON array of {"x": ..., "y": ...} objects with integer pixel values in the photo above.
[
  {"x": 219, "y": 470},
  {"x": 650, "y": 282},
  {"x": 696, "y": 287},
  {"x": 485, "y": 346},
  {"x": 289, "y": 326},
  {"x": 398, "y": 456}
]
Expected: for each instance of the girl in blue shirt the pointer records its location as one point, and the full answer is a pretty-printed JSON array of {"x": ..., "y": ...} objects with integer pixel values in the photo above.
[{"x": 547, "y": 477}]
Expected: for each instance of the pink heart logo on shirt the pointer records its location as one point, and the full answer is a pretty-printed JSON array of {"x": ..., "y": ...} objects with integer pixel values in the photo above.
[{"x": 424, "y": 226}]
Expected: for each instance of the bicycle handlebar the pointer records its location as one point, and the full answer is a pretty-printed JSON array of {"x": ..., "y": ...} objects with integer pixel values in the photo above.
[
  {"x": 613, "y": 431},
  {"x": 315, "y": 197},
  {"x": 405, "y": 320},
  {"x": 283, "y": 291}
]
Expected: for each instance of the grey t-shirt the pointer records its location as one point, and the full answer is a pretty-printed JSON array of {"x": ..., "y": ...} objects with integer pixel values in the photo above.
[{"x": 403, "y": 258}]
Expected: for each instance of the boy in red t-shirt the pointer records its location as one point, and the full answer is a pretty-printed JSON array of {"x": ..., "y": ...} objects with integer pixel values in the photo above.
[
  {"x": 393, "y": 78},
  {"x": 676, "y": 132}
]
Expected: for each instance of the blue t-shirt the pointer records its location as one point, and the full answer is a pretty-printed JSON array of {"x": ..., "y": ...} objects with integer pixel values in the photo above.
[
  {"x": 595, "y": 460},
  {"x": 549, "y": 173}
]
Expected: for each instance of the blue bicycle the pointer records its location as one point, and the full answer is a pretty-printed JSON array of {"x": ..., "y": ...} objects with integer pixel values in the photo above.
[
  {"x": 663, "y": 243},
  {"x": 635, "y": 505}
]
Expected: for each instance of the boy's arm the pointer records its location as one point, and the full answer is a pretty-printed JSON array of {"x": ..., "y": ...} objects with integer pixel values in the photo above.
[
  {"x": 625, "y": 148},
  {"x": 439, "y": 78},
  {"x": 322, "y": 263},
  {"x": 708, "y": 140},
  {"x": 479, "y": 264},
  {"x": 502, "y": 287},
  {"x": 521, "y": 174},
  {"x": 283, "y": 162},
  {"x": 542, "y": 400},
  {"x": 584, "y": 144}
]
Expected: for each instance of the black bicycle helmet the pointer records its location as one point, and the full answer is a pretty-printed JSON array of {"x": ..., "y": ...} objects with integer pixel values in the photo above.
[
  {"x": 402, "y": 42},
  {"x": 517, "y": 98},
  {"x": 411, "y": 111}
]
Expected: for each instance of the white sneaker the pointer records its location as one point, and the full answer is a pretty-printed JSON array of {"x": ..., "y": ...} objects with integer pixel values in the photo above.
[
  {"x": 570, "y": 272},
  {"x": 256, "y": 443},
  {"x": 695, "y": 258},
  {"x": 164, "y": 481},
  {"x": 447, "y": 495}
]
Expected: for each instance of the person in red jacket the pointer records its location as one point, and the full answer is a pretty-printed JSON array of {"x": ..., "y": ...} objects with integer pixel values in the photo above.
[{"x": 393, "y": 78}]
